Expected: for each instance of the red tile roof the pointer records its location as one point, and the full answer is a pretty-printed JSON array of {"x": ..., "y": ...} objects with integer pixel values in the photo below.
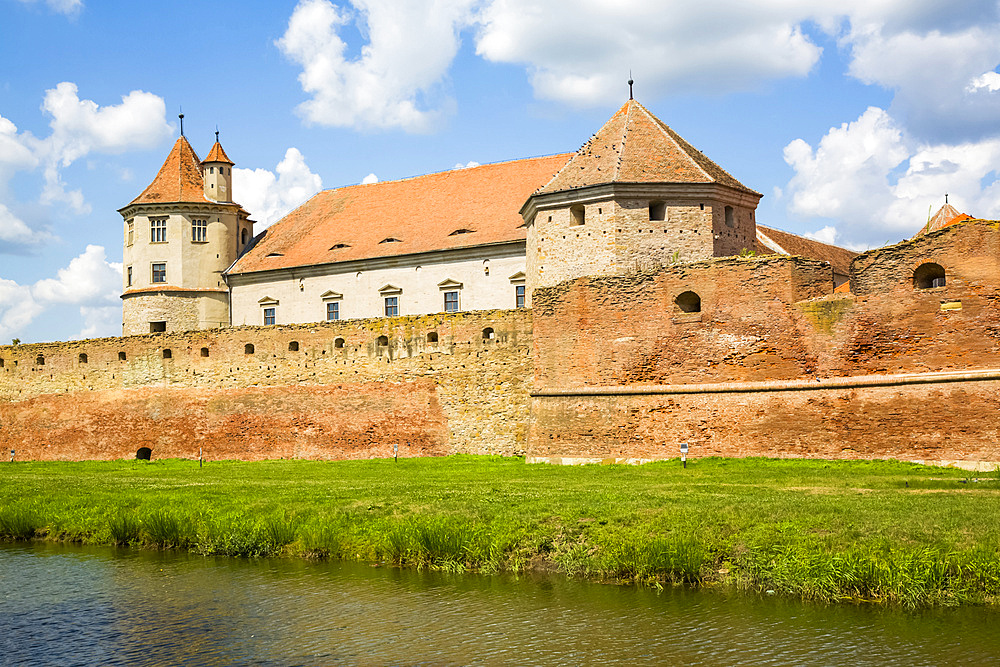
[
  {"x": 217, "y": 155},
  {"x": 635, "y": 146},
  {"x": 947, "y": 215},
  {"x": 422, "y": 214},
  {"x": 179, "y": 179},
  {"x": 786, "y": 243}
]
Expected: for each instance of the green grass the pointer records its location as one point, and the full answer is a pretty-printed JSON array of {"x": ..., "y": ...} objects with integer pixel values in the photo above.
[{"x": 827, "y": 530}]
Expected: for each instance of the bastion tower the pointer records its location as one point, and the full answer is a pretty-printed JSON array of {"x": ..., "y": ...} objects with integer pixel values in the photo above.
[
  {"x": 636, "y": 195},
  {"x": 181, "y": 234}
]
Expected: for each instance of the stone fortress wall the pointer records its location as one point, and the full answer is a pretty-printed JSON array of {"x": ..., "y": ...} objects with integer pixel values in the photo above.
[
  {"x": 433, "y": 385},
  {"x": 771, "y": 362}
]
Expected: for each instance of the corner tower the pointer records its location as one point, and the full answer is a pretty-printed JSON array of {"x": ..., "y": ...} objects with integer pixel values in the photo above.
[
  {"x": 635, "y": 195},
  {"x": 181, "y": 234}
]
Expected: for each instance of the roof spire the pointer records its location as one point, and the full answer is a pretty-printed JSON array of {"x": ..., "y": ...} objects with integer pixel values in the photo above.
[
  {"x": 946, "y": 198},
  {"x": 630, "y": 82},
  {"x": 216, "y": 134},
  {"x": 181, "y": 116}
]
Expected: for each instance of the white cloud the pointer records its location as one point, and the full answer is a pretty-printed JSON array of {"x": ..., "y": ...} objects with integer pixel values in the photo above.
[
  {"x": 988, "y": 80},
  {"x": 827, "y": 234},
  {"x": 394, "y": 81},
  {"x": 876, "y": 183},
  {"x": 13, "y": 230},
  {"x": 471, "y": 163},
  {"x": 369, "y": 179},
  {"x": 89, "y": 281},
  {"x": 68, "y": 7},
  {"x": 268, "y": 197}
]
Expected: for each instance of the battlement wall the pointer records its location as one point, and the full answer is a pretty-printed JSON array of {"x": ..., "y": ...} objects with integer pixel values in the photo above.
[{"x": 433, "y": 384}]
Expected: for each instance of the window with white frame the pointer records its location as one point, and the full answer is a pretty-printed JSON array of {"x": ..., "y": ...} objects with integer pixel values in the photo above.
[
  {"x": 159, "y": 272},
  {"x": 199, "y": 231},
  {"x": 451, "y": 301},
  {"x": 157, "y": 230},
  {"x": 332, "y": 310}
]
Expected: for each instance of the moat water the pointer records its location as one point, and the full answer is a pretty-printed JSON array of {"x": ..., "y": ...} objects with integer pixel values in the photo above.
[{"x": 67, "y": 605}]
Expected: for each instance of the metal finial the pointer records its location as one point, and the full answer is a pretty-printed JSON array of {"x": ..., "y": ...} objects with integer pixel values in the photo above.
[
  {"x": 946, "y": 198},
  {"x": 630, "y": 82},
  {"x": 181, "y": 116},
  {"x": 216, "y": 134}
]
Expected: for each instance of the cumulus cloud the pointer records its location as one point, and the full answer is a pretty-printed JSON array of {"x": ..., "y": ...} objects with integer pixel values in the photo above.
[
  {"x": 270, "y": 195},
  {"x": 369, "y": 179},
  {"x": 89, "y": 282},
  {"x": 14, "y": 231},
  {"x": 471, "y": 163},
  {"x": 878, "y": 183},
  {"x": 394, "y": 82},
  {"x": 68, "y": 7}
]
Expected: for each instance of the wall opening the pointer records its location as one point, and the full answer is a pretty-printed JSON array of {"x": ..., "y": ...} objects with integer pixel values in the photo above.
[
  {"x": 432, "y": 337},
  {"x": 293, "y": 346},
  {"x": 83, "y": 358},
  {"x": 577, "y": 215},
  {"x": 248, "y": 348},
  {"x": 489, "y": 334},
  {"x": 730, "y": 217},
  {"x": 688, "y": 302},
  {"x": 204, "y": 351},
  {"x": 167, "y": 354},
  {"x": 40, "y": 360},
  {"x": 143, "y": 453},
  {"x": 243, "y": 236},
  {"x": 1, "y": 362},
  {"x": 657, "y": 210},
  {"x": 382, "y": 341},
  {"x": 121, "y": 356},
  {"x": 157, "y": 327},
  {"x": 338, "y": 344},
  {"x": 928, "y": 275}
]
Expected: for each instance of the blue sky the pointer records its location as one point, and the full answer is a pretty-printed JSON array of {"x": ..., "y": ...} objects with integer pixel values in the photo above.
[{"x": 853, "y": 120}]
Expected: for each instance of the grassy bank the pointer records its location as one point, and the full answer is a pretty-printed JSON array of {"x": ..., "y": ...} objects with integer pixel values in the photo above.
[{"x": 892, "y": 532}]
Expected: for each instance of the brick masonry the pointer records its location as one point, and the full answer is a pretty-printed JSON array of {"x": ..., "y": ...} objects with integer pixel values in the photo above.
[{"x": 325, "y": 390}]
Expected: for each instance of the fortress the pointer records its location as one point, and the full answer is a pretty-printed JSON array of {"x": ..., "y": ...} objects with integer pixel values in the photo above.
[{"x": 600, "y": 306}]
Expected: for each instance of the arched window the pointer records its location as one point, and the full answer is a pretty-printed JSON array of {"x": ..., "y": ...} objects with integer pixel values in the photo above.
[
  {"x": 489, "y": 334},
  {"x": 338, "y": 344},
  {"x": 143, "y": 453},
  {"x": 167, "y": 354},
  {"x": 730, "y": 217},
  {"x": 432, "y": 337},
  {"x": 657, "y": 210},
  {"x": 688, "y": 302},
  {"x": 928, "y": 275},
  {"x": 293, "y": 346},
  {"x": 577, "y": 215},
  {"x": 248, "y": 348},
  {"x": 243, "y": 236},
  {"x": 83, "y": 358},
  {"x": 382, "y": 341}
]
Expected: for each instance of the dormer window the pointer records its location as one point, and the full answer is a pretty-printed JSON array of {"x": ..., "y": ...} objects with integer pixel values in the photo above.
[
  {"x": 274, "y": 254},
  {"x": 461, "y": 231},
  {"x": 390, "y": 240},
  {"x": 340, "y": 246}
]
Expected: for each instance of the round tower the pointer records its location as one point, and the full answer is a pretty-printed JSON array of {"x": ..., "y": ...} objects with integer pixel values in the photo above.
[{"x": 181, "y": 234}]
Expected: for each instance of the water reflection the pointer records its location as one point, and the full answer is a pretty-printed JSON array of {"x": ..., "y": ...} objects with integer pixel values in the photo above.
[{"x": 70, "y": 605}]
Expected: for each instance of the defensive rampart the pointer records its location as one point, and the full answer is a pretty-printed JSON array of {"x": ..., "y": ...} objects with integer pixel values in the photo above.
[
  {"x": 754, "y": 356},
  {"x": 434, "y": 385}
]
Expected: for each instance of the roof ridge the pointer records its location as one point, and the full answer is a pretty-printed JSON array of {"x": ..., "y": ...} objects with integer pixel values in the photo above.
[
  {"x": 808, "y": 238},
  {"x": 624, "y": 138},
  {"x": 682, "y": 145}
]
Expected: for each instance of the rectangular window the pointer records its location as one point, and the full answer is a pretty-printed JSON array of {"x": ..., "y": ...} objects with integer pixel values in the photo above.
[
  {"x": 157, "y": 230},
  {"x": 451, "y": 302},
  {"x": 199, "y": 231},
  {"x": 391, "y": 306},
  {"x": 333, "y": 310},
  {"x": 130, "y": 234},
  {"x": 268, "y": 316},
  {"x": 160, "y": 272},
  {"x": 128, "y": 277},
  {"x": 519, "y": 296}
]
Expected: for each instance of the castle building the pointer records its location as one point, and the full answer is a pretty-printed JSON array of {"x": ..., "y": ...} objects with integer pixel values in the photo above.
[
  {"x": 635, "y": 196},
  {"x": 181, "y": 234}
]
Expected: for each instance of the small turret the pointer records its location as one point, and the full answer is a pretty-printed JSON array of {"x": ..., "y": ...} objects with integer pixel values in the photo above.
[{"x": 217, "y": 172}]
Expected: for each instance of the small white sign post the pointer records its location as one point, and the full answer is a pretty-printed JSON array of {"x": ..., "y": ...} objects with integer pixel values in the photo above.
[{"x": 684, "y": 454}]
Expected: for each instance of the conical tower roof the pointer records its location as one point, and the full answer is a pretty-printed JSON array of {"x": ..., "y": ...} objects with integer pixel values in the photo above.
[
  {"x": 635, "y": 146},
  {"x": 946, "y": 215},
  {"x": 217, "y": 154},
  {"x": 179, "y": 179}
]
